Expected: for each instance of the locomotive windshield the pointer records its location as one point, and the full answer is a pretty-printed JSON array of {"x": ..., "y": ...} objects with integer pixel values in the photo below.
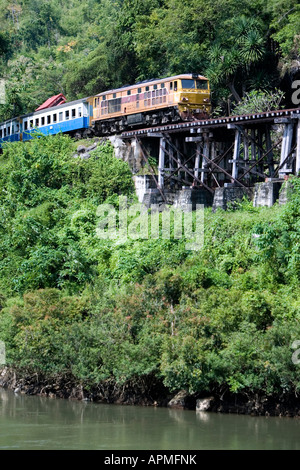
[
  {"x": 192, "y": 84},
  {"x": 202, "y": 84},
  {"x": 188, "y": 83}
]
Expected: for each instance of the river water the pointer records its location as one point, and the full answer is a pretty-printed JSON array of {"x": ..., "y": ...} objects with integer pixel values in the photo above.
[{"x": 40, "y": 423}]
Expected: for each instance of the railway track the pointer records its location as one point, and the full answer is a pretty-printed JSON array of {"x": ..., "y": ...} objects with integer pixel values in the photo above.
[{"x": 277, "y": 117}]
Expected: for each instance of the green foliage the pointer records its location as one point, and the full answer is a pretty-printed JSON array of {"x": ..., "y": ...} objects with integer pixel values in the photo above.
[
  {"x": 48, "y": 212},
  {"x": 221, "y": 318},
  {"x": 82, "y": 48},
  {"x": 258, "y": 101}
]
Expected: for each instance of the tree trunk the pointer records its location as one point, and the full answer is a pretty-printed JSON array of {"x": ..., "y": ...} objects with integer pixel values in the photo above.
[{"x": 234, "y": 92}]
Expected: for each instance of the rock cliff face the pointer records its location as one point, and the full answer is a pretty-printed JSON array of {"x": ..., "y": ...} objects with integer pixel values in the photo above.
[{"x": 129, "y": 151}]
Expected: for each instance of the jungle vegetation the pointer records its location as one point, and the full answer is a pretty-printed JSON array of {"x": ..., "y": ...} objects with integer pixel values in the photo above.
[
  {"x": 221, "y": 318},
  {"x": 224, "y": 317}
]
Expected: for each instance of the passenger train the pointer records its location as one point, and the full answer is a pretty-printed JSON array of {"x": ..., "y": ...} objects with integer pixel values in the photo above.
[{"x": 179, "y": 98}]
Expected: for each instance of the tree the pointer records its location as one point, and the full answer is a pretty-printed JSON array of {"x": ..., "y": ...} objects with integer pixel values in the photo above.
[{"x": 236, "y": 58}]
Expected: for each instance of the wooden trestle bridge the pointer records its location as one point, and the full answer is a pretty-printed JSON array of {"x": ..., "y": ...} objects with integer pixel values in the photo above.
[{"x": 234, "y": 151}]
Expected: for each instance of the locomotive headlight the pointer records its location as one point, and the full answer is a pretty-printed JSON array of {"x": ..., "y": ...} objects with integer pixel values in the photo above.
[
  {"x": 185, "y": 99},
  {"x": 206, "y": 100}
]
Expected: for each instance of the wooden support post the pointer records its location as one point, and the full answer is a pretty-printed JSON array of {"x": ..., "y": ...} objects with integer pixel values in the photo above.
[
  {"x": 286, "y": 147},
  {"x": 188, "y": 171},
  {"x": 236, "y": 153},
  {"x": 197, "y": 160},
  {"x": 151, "y": 169},
  {"x": 206, "y": 157},
  {"x": 246, "y": 150},
  {"x": 161, "y": 162},
  {"x": 269, "y": 149},
  {"x": 260, "y": 166},
  {"x": 178, "y": 158},
  {"x": 297, "y": 169},
  {"x": 185, "y": 157},
  {"x": 253, "y": 145},
  {"x": 171, "y": 150}
]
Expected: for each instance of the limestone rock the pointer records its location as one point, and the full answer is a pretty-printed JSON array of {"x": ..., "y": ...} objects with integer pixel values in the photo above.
[
  {"x": 180, "y": 400},
  {"x": 204, "y": 404},
  {"x": 81, "y": 149},
  {"x": 91, "y": 147}
]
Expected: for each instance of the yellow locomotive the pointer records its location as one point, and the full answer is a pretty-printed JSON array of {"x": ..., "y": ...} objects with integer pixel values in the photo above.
[{"x": 159, "y": 101}]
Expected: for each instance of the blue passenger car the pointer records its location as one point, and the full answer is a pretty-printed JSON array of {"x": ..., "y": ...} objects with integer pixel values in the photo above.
[
  {"x": 73, "y": 117},
  {"x": 10, "y": 131}
]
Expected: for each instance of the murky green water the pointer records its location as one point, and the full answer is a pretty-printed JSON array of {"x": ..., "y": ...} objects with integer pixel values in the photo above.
[{"x": 30, "y": 422}]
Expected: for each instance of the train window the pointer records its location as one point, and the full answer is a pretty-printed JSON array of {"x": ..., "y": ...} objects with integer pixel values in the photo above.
[
  {"x": 139, "y": 90},
  {"x": 104, "y": 98},
  {"x": 49, "y": 119},
  {"x": 95, "y": 102},
  {"x": 43, "y": 121},
  {"x": 175, "y": 85},
  {"x": 0, "y": 133},
  {"x": 114, "y": 106},
  {"x": 137, "y": 104},
  {"x": 37, "y": 122},
  {"x": 25, "y": 125},
  {"x": 202, "y": 84},
  {"x": 147, "y": 88},
  {"x": 8, "y": 130},
  {"x": 67, "y": 114},
  {"x": 154, "y": 87},
  {"x": 31, "y": 123},
  {"x": 114, "y": 95},
  {"x": 188, "y": 83},
  {"x": 54, "y": 117},
  {"x": 60, "y": 116},
  {"x": 104, "y": 106},
  {"x": 162, "y": 85},
  {"x": 128, "y": 92},
  {"x": 171, "y": 85},
  {"x": 4, "y": 132},
  {"x": 73, "y": 113}
]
